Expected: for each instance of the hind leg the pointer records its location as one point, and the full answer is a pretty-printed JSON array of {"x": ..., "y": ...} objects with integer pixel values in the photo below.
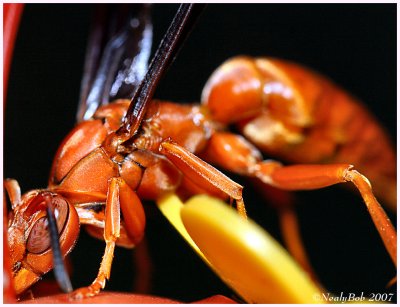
[{"x": 236, "y": 154}]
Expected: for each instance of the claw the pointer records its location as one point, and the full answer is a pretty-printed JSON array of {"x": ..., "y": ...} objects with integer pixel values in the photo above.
[{"x": 89, "y": 291}]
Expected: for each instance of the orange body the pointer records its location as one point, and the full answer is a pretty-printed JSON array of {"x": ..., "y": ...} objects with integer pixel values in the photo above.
[
  {"x": 280, "y": 108},
  {"x": 83, "y": 168},
  {"x": 296, "y": 115},
  {"x": 140, "y": 164}
]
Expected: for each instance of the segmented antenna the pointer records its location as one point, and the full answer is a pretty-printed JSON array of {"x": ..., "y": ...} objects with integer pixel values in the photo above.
[
  {"x": 169, "y": 47},
  {"x": 59, "y": 268}
]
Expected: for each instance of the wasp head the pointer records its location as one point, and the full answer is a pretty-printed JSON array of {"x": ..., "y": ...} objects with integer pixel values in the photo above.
[{"x": 29, "y": 238}]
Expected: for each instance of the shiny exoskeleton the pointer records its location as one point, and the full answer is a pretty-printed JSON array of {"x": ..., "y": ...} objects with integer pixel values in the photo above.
[
  {"x": 280, "y": 108},
  {"x": 277, "y": 112}
]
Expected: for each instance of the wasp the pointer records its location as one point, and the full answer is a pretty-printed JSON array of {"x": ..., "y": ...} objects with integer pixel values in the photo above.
[{"x": 205, "y": 94}]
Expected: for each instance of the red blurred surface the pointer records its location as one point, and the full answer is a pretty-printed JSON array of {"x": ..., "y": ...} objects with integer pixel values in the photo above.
[
  {"x": 11, "y": 16},
  {"x": 48, "y": 292},
  {"x": 121, "y": 298}
]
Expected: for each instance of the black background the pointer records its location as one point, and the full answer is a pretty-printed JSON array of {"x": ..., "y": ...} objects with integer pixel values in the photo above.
[{"x": 354, "y": 44}]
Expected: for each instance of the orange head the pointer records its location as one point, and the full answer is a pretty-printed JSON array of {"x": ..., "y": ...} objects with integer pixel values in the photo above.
[{"x": 29, "y": 238}]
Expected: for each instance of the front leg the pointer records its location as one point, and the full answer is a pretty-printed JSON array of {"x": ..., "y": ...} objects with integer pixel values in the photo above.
[
  {"x": 119, "y": 197},
  {"x": 203, "y": 174}
]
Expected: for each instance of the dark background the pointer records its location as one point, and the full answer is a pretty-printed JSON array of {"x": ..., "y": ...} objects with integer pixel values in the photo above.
[{"x": 353, "y": 44}]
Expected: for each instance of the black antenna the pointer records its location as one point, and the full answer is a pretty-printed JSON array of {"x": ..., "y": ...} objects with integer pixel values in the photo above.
[
  {"x": 177, "y": 32},
  {"x": 59, "y": 268}
]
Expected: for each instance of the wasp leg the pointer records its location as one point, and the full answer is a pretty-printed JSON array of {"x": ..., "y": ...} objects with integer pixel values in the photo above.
[
  {"x": 13, "y": 191},
  {"x": 234, "y": 153},
  {"x": 9, "y": 296},
  {"x": 94, "y": 225},
  {"x": 202, "y": 173},
  {"x": 120, "y": 198},
  {"x": 291, "y": 235},
  {"x": 284, "y": 202},
  {"x": 307, "y": 177},
  {"x": 241, "y": 157}
]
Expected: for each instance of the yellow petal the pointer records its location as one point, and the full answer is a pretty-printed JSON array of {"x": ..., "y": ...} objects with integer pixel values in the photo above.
[
  {"x": 170, "y": 206},
  {"x": 246, "y": 257}
]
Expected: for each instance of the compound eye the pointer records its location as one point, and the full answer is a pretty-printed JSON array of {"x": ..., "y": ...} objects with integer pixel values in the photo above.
[{"x": 39, "y": 236}]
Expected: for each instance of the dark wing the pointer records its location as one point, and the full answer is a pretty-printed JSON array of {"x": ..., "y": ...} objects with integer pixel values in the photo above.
[{"x": 117, "y": 55}]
